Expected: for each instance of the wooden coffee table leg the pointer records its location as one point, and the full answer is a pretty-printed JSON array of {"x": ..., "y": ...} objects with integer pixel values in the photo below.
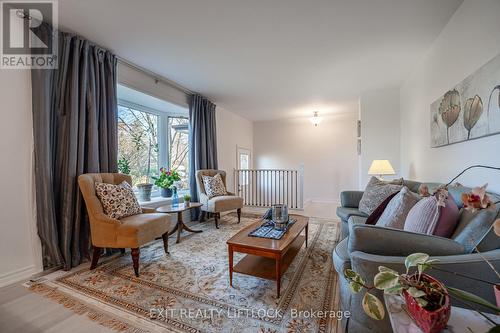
[
  {"x": 180, "y": 226},
  {"x": 307, "y": 232},
  {"x": 230, "y": 254},
  {"x": 278, "y": 276}
]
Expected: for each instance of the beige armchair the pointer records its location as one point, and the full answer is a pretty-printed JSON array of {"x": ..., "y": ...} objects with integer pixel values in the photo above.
[
  {"x": 128, "y": 232},
  {"x": 218, "y": 204}
]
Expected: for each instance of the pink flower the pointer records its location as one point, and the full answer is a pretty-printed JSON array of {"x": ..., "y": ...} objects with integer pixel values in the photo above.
[{"x": 477, "y": 199}]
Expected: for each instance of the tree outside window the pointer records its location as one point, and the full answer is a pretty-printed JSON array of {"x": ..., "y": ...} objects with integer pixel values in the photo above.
[{"x": 137, "y": 144}]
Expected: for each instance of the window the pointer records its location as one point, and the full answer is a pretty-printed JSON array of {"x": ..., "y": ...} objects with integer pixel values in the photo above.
[
  {"x": 137, "y": 144},
  {"x": 151, "y": 135},
  {"x": 178, "y": 130}
]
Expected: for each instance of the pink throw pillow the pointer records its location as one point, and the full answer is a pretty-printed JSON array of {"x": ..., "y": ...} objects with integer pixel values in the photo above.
[
  {"x": 427, "y": 217},
  {"x": 448, "y": 218}
]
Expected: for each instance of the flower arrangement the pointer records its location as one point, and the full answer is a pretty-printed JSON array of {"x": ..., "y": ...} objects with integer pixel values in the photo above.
[{"x": 166, "y": 178}]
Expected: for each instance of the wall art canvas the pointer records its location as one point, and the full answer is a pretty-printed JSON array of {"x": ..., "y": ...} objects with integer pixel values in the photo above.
[{"x": 469, "y": 110}]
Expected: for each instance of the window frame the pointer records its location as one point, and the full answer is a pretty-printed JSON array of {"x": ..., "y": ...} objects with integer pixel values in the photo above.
[{"x": 163, "y": 130}]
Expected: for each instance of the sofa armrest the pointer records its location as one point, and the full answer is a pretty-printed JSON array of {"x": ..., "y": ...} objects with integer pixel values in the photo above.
[
  {"x": 394, "y": 242},
  {"x": 350, "y": 199}
]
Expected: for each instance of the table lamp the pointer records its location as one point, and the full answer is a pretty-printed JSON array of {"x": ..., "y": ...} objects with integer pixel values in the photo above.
[{"x": 380, "y": 168}]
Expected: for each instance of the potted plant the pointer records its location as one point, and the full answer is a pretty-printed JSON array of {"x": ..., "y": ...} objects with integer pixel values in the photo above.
[
  {"x": 144, "y": 191},
  {"x": 166, "y": 181},
  {"x": 427, "y": 299},
  {"x": 187, "y": 200}
]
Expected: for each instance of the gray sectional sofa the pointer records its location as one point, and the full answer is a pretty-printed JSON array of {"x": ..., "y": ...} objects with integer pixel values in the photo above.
[{"x": 366, "y": 247}]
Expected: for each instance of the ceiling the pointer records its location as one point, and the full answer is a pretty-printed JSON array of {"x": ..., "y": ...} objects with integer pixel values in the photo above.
[{"x": 267, "y": 59}]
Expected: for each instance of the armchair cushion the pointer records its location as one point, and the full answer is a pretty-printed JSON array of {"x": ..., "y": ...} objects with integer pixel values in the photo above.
[
  {"x": 223, "y": 203},
  {"x": 137, "y": 230},
  {"x": 394, "y": 242},
  {"x": 117, "y": 200}
]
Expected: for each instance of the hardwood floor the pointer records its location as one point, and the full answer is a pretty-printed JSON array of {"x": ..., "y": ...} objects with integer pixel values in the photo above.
[{"x": 22, "y": 311}]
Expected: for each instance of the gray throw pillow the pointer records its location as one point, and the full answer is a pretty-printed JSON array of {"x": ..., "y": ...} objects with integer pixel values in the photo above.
[
  {"x": 376, "y": 192},
  {"x": 397, "y": 209}
]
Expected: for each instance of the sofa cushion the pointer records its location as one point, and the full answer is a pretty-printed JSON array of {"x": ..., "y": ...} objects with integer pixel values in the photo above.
[
  {"x": 376, "y": 192},
  {"x": 224, "y": 203},
  {"x": 423, "y": 217},
  {"x": 448, "y": 219},
  {"x": 340, "y": 255},
  {"x": 117, "y": 201},
  {"x": 344, "y": 213},
  {"x": 475, "y": 229},
  {"x": 397, "y": 209},
  {"x": 375, "y": 215}
]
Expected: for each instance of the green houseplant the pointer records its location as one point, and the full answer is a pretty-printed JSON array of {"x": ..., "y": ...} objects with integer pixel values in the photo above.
[
  {"x": 166, "y": 181},
  {"x": 426, "y": 298},
  {"x": 187, "y": 199}
]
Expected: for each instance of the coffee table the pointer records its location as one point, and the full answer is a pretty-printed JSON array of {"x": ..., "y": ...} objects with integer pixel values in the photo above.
[
  {"x": 179, "y": 209},
  {"x": 267, "y": 258}
]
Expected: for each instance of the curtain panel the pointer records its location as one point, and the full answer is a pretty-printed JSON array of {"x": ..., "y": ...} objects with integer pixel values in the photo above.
[
  {"x": 202, "y": 140},
  {"x": 75, "y": 132}
]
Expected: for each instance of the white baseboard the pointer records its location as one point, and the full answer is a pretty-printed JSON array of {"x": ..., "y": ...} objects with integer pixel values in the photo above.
[
  {"x": 17, "y": 275},
  {"x": 322, "y": 201}
]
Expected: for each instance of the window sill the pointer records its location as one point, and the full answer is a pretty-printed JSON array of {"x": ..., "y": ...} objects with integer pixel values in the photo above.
[{"x": 157, "y": 201}]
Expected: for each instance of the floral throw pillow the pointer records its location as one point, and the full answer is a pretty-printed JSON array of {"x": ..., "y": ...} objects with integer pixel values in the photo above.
[
  {"x": 214, "y": 186},
  {"x": 118, "y": 201}
]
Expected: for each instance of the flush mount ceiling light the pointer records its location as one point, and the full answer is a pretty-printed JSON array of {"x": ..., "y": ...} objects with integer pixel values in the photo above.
[{"x": 315, "y": 119}]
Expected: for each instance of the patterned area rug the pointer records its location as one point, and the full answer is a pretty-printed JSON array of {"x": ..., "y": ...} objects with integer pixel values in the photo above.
[{"x": 188, "y": 290}]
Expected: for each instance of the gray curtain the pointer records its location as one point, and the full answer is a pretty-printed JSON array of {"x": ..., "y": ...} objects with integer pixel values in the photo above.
[
  {"x": 202, "y": 140},
  {"x": 75, "y": 132}
]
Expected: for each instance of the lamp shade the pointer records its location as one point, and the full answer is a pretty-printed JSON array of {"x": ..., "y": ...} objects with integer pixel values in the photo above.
[{"x": 381, "y": 167}]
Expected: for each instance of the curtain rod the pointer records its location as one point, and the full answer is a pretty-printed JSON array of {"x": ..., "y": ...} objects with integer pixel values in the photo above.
[{"x": 156, "y": 77}]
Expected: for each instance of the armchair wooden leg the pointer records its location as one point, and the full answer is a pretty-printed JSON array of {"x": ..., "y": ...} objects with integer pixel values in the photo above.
[
  {"x": 238, "y": 211},
  {"x": 165, "y": 242},
  {"x": 135, "y": 259},
  {"x": 216, "y": 217},
  {"x": 96, "y": 253}
]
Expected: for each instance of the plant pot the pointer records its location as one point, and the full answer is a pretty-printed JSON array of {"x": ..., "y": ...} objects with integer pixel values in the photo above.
[
  {"x": 166, "y": 192},
  {"x": 187, "y": 203},
  {"x": 429, "y": 321},
  {"x": 144, "y": 191},
  {"x": 497, "y": 294}
]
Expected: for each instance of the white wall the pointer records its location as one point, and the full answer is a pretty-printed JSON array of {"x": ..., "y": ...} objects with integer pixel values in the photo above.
[
  {"x": 19, "y": 244},
  {"x": 232, "y": 131},
  {"x": 327, "y": 151},
  {"x": 380, "y": 124},
  {"x": 469, "y": 40}
]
